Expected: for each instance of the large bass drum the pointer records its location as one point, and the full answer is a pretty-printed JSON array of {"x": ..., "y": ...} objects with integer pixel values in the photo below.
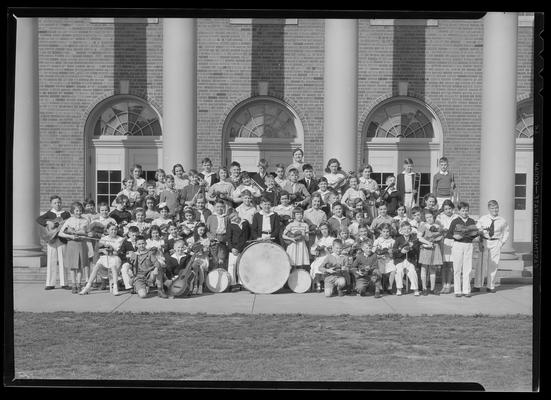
[{"x": 263, "y": 267}]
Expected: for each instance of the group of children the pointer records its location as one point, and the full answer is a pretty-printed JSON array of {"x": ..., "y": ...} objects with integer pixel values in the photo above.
[{"x": 349, "y": 234}]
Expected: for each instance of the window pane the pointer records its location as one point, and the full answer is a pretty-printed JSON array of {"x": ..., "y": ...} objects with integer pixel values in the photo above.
[
  {"x": 520, "y": 191},
  {"x": 115, "y": 176},
  {"x": 376, "y": 177},
  {"x": 103, "y": 188},
  {"x": 102, "y": 199},
  {"x": 425, "y": 179},
  {"x": 520, "y": 179},
  {"x": 520, "y": 204},
  {"x": 102, "y": 176},
  {"x": 114, "y": 188},
  {"x": 111, "y": 199}
]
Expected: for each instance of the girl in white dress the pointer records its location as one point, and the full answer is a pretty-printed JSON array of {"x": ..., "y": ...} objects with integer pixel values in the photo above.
[
  {"x": 382, "y": 246},
  {"x": 296, "y": 232},
  {"x": 349, "y": 198},
  {"x": 109, "y": 260},
  {"x": 336, "y": 177},
  {"x": 320, "y": 250}
]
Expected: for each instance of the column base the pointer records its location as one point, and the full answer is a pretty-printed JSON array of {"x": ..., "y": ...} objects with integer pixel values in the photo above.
[
  {"x": 30, "y": 259},
  {"x": 511, "y": 264}
]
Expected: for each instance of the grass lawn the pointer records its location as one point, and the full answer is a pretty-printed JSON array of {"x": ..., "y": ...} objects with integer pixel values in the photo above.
[{"x": 493, "y": 351}]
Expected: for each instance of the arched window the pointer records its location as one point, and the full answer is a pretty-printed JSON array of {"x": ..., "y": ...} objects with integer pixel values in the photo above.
[
  {"x": 525, "y": 120},
  {"x": 262, "y": 127},
  {"x": 402, "y": 127},
  {"x": 127, "y": 117},
  {"x": 400, "y": 119},
  {"x": 121, "y": 131},
  {"x": 265, "y": 119}
]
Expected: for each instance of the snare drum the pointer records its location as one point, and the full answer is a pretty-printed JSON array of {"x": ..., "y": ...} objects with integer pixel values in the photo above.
[
  {"x": 218, "y": 280},
  {"x": 263, "y": 267},
  {"x": 299, "y": 281}
]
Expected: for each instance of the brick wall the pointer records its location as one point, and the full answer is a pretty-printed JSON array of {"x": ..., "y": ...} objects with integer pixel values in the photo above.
[
  {"x": 228, "y": 74},
  {"x": 77, "y": 67},
  {"x": 443, "y": 66},
  {"x": 81, "y": 62}
]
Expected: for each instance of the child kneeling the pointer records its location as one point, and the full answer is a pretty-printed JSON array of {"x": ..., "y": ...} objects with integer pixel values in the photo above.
[
  {"x": 332, "y": 268},
  {"x": 147, "y": 270},
  {"x": 366, "y": 271}
]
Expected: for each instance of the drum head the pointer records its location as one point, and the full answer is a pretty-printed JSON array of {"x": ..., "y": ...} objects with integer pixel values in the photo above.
[
  {"x": 218, "y": 280},
  {"x": 263, "y": 267},
  {"x": 299, "y": 281}
]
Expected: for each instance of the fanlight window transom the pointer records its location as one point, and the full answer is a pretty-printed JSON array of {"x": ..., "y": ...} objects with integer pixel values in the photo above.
[
  {"x": 400, "y": 119},
  {"x": 128, "y": 118},
  {"x": 525, "y": 121},
  {"x": 263, "y": 119}
]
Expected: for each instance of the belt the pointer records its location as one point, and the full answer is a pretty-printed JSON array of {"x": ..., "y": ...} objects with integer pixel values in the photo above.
[
  {"x": 408, "y": 192},
  {"x": 493, "y": 239},
  {"x": 266, "y": 232}
]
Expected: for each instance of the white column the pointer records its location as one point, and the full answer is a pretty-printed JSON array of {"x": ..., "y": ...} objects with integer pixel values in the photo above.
[
  {"x": 340, "y": 106},
  {"x": 499, "y": 111},
  {"x": 26, "y": 143},
  {"x": 179, "y": 92}
]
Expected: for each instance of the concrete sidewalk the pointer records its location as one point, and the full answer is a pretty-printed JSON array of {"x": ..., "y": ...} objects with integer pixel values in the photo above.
[{"x": 509, "y": 299}]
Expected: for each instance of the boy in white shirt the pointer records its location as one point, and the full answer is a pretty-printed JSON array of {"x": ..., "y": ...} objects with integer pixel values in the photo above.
[{"x": 495, "y": 232}]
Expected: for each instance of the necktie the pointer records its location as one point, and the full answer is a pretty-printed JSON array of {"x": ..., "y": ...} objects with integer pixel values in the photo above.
[{"x": 491, "y": 229}]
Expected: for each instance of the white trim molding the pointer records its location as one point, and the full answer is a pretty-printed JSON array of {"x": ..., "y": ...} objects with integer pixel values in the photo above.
[
  {"x": 264, "y": 21},
  {"x": 403, "y": 22},
  {"x": 526, "y": 20},
  {"x": 124, "y": 20}
]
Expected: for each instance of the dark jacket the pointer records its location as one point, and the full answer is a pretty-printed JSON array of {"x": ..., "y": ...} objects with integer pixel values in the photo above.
[
  {"x": 312, "y": 187},
  {"x": 238, "y": 236},
  {"x": 258, "y": 179},
  {"x": 51, "y": 216},
  {"x": 399, "y": 242},
  {"x": 214, "y": 178},
  {"x": 173, "y": 267},
  {"x": 392, "y": 201},
  {"x": 126, "y": 246},
  {"x": 275, "y": 225}
]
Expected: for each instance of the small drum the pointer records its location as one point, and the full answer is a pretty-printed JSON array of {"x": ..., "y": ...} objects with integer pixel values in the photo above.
[
  {"x": 218, "y": 280},
  {"x": 263, "y": 267},
  {"x": 299, "y": 281}
]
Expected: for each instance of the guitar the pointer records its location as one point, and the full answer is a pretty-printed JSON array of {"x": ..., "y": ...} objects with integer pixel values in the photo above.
[
  {"x": 49, "y": 233},
  {"x": 469, "y": 231}
]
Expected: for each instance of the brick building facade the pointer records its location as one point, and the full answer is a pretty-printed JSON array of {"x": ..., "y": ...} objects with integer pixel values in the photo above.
[{"x": 83, "y": 62}]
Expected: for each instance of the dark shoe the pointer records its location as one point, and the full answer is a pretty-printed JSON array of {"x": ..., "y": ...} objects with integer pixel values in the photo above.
[
  {"x": 425, "y": 292},
  {"x": 103, "y": 285},
  {"x": 378, "y": 295},
  {"x": 435, "y": 292},
  {"x": 133, "y": 291},
  {"x": 75, "y": 290},
  {"x": 467, "y": 295},
  {"x": 488, "y": 290},
  {"x": 49, "y": 287},
  {"x": 458, "y": 295},
  {"x": 66, "y": 287},
  {"x": 475, "y": 289}
]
